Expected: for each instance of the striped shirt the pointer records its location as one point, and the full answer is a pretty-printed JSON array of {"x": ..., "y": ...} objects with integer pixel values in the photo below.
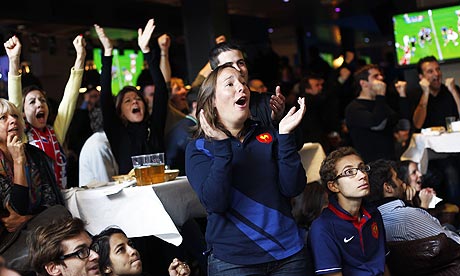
[{"x": 404, "y": 223}]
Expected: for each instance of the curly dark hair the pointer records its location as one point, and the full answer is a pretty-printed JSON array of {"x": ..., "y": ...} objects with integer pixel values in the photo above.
[{"x": 327, "y": 170}]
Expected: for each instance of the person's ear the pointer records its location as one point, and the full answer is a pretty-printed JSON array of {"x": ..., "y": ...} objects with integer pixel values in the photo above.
[
  {"x": 333, "y": 186},
  {"x": 53, "y": 269},
  {"x": 387, "y": 188}
]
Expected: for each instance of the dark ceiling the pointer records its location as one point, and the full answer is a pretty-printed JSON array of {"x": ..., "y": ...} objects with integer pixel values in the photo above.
[{"x": 55, "y": 17}]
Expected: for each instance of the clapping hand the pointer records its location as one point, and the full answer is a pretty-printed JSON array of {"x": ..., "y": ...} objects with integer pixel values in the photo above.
[
  {"x": 277, "y": 104},
  {"x": 209, "y": 130},
  {"x": 292, "y": 118}
]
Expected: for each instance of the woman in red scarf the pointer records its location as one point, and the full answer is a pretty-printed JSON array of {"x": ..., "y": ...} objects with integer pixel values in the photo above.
[{"x": 39, "y": 133}]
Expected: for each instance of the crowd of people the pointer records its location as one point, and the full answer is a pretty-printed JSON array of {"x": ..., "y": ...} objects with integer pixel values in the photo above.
[{"x": 236, "y": 138}]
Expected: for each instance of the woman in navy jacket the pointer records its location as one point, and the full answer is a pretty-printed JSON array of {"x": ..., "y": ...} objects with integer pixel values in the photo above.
[{"x": 244, "y": 175}]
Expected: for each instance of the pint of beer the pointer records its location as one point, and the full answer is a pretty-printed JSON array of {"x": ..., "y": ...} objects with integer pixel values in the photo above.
[
  {"x": 142, "y": 170},
  {"x": 149, "y": 168},
  {"x": 157, "y": 165}
]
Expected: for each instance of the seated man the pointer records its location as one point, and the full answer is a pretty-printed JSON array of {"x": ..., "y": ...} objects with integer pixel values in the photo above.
[
  {"x": 63, "y": 247},
  {"x": 402, "y": 222},
  {"x": 347, "y": 238},
  {"x": 96, "y": 162}
]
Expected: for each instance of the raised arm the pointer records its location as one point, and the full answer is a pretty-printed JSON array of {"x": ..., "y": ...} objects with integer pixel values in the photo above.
[
  {"x": 69, "y": 100},
  {"x": 159, "y": 110},
  {"x": 450, "y": 83},
  {"x": 164, "y": 42},
  {"x": 110, "y": 119},
  {"x": 420, "y": 111},
  {"x": 13, "y": 50}
]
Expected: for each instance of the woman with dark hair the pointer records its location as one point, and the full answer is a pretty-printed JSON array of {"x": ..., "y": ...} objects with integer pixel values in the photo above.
[
  {"x": 117, "y": 255},
  {"x": 446, "y": 212},
  {"x": 309, "y": 205},
  {"x": 408, "y": 172},
  {"x": 36, "y": 109},
  {"x": 129, "y": 127}
]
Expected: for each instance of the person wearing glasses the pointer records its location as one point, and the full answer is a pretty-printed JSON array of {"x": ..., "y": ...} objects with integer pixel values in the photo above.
[
  {"x": 402, "y": 222},
  {"x": 117, "y": 255},
  {"x": 63, "y": 248},
  {"x": 348, "y": 238}
]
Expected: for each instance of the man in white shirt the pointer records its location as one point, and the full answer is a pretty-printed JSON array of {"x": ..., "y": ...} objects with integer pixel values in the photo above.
[{"x": 96, "y": 162}]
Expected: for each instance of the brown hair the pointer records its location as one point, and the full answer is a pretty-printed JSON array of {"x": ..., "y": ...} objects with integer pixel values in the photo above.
[
  {"x": 45, "y": 242},
  {"x": 119, "y": 100},
  {"x": 327, "y": 170},
  {"x": 206, "y": 101}
]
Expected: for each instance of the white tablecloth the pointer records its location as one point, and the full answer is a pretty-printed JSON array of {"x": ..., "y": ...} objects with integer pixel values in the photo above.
[
  {"x": 312, "y": 154},
  {"x": 418, "y": 150},
  {"x": 139, "y": 211}
]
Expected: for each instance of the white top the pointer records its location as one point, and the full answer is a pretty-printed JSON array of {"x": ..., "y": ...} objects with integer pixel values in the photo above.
[{"x": 97, "y": 162}]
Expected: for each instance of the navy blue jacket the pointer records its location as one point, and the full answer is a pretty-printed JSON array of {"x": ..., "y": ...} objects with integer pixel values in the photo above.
[{"x": 246, "y": 189}]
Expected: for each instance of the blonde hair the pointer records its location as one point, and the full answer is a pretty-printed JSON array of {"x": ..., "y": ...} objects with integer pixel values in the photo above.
[{"x": 8, "y": 107}]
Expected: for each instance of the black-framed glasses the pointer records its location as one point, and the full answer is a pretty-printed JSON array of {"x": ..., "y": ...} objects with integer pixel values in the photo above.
[
  {"x": 349, "y": 172},
  {"x": 82, "y": 253}
]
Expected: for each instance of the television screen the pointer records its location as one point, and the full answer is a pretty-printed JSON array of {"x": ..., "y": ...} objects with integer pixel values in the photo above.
[
  {"x": 429, "y": 32},
  {"x": 126, "y": 67}
]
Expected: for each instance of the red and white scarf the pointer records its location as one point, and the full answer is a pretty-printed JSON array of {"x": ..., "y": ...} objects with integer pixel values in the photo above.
[{"x": 48, "y": 142}]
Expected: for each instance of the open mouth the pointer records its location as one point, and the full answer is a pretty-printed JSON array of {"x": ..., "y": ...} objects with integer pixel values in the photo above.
[
  {"x": 15, "y": 129},
  {"x": 136, "y": 110},
  {"x": 40, "y": 115},
  {"x": 241, "y": 101}
]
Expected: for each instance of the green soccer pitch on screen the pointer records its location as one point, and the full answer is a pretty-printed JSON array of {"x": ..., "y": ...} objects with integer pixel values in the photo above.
[
  {"x": 428, "y": 32},
  {"x": 126, "y": 67}
]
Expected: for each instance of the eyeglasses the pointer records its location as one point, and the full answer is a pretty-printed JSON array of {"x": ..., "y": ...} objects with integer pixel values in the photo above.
[
  {"x": 82, "y": 253},
  {"x": 349, "y": 172}
]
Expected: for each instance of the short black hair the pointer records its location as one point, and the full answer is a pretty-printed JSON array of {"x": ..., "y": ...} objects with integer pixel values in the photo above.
[
  {"x": 221, "y": 48},
  {"x": 423, "y": 60},
  {"x": 379, "y": 174}
]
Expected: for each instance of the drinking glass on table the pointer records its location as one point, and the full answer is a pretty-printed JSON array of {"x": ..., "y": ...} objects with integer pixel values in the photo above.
[
  {"x": 157, "y": 163},
  {"x": 142, "y": 170},
  {"x": 449, "y": 121}
]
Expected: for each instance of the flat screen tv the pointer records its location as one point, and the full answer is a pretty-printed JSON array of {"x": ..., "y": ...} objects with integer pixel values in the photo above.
[
  {"x": 126, "y": 67},
  {"x": 427, "y": 32}
]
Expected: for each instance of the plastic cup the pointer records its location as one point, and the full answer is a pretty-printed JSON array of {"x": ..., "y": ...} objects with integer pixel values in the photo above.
[
  {"x": 156, "y": 161},
  {"x": 142, "y": 170},
  {"x": 449, "y": 121}
]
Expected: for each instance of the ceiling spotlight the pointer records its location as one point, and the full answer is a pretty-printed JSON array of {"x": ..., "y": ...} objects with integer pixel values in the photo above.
[
  {"x": 286, "y": 1},
  {"x": 270, "y": 30}
]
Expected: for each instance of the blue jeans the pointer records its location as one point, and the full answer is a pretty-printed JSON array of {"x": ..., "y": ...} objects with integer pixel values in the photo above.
[{"x": 296, "y": 265}]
